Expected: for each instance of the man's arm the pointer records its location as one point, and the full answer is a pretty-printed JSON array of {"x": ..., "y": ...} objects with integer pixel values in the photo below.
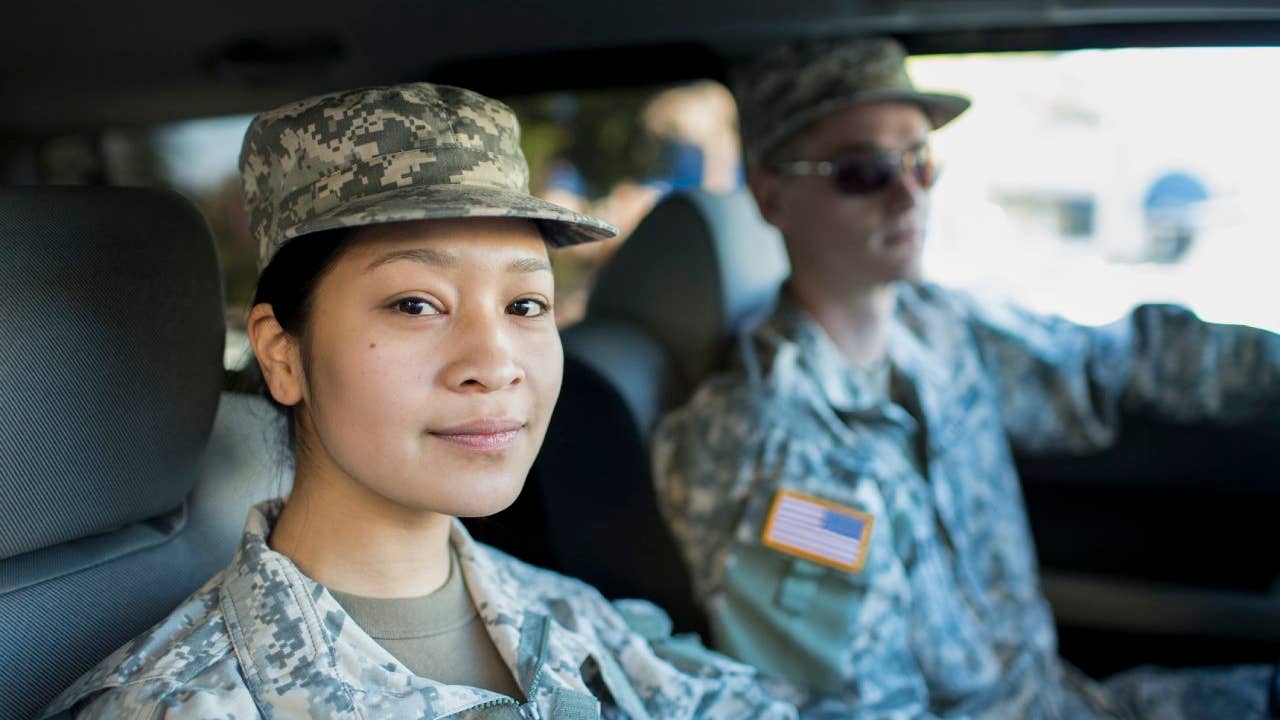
[{"x": 1063, "y": 386}]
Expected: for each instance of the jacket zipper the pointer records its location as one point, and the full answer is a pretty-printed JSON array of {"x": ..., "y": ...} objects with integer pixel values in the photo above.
[
  {"x": 529, "y": 710},
  {"x": 494, "y": 703}
]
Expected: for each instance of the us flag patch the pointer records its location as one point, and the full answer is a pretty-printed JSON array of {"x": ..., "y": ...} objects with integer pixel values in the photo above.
[{"x": 818, "y": 530}]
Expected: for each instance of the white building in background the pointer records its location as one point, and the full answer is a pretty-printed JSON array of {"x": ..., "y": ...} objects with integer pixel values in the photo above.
[{"x": 1046, "y": 186}]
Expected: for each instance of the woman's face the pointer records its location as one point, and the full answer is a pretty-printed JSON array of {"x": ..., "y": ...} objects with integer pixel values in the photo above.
[{"x": 432, "y": 363}]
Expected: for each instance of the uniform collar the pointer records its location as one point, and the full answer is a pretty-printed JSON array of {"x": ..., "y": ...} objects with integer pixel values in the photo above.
[
  {"x": 846, "y": 388},
  {"x": 546, "y": 657},
  {"x": 909, "y": 351},
  {"x": 302, "y": 654}
]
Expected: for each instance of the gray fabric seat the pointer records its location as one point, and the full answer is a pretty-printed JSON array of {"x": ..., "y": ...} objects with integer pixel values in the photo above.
[
  {"x": 125, "y": 474},
  {"x": 699, "y": 271}
]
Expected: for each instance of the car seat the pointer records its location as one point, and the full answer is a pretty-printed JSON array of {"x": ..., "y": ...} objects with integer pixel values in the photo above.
[
  {"x": 125, "y": 475},
  {"x": 698, "y": 271}
]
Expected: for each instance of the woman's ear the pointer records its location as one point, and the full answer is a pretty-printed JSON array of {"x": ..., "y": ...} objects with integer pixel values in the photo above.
[{"x": 278, "y": 355}]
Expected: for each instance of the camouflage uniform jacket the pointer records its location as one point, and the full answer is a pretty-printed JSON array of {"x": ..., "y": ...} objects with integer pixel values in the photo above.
[
  {"x": 946, "y": 616},
  {"x": 263, "y": 640}
]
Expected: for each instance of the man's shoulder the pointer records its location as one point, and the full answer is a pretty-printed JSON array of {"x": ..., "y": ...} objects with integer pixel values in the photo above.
[
  {"x": 189, "y": 650},
  {"x": 926, "y": 300},
  {"x": 727, "y": 403},
  {"x": 766, "y": 386},
  {"x": 762, "y": 372}
]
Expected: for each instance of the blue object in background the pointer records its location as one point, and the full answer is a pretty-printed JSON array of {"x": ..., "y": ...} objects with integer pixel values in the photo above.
[
  {"x": 1175, "y": 190},
  {"x": 686, "y": 165},
  {"x": 679, "y": 166},
  {"x": 1172, "y": 211},
  {"x": 563, "y": 176}
]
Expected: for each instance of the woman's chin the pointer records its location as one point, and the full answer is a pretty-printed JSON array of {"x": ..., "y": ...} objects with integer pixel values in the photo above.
[
  {"x": 478, "y": 496},
  {"x": 478, "y": 507}
]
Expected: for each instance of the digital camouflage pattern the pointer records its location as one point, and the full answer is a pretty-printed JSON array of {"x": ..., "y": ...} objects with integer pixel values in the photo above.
[
  {"x": 262, "y": 640},
  {"x": 385, "y": 154},
  {"x": 786, "y": 88},
  {"x": 946, "y": 619}
]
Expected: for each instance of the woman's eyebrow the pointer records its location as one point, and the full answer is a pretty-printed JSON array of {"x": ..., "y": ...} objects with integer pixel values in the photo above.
[
  {"x": 529, "y": 265},
  {"x": 426, "y": 256}
]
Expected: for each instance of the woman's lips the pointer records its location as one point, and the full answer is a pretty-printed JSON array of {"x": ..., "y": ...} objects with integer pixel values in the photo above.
[{"x": 481, "y": 435}]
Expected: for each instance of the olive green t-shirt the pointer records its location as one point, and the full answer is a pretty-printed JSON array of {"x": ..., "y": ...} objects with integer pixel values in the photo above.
[{"x": 438, "y": 636}]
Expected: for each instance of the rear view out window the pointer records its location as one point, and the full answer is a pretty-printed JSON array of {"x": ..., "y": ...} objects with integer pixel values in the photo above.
[
  {"x": 1079, "y": 183},
  {"x": 611, "y": 153},
  {"x": 1085, "y": 183}
]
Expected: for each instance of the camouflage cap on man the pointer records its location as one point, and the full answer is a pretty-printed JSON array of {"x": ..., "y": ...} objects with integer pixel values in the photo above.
[
  {"x": 386, "y": 154},
  {"x": 788, "y": 87}
]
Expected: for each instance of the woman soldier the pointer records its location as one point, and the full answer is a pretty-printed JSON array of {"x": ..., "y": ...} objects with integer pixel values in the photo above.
[{"x": 403, "y": 318}]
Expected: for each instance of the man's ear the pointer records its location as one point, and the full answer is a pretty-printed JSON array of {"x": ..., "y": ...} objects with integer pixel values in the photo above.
[
  {"x": 766, "y": 188},
  {"x": 278, "y": 355}
]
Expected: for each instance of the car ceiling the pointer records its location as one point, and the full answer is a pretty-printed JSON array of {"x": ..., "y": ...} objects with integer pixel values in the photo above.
[{"x": 70, "y": 66}]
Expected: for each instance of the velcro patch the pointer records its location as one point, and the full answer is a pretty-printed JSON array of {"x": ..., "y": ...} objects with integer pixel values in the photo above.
[{"x": 818, "y": 530}]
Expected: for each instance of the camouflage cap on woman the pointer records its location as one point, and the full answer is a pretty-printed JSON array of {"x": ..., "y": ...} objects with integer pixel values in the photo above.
[{"x": 385, "y": 154}]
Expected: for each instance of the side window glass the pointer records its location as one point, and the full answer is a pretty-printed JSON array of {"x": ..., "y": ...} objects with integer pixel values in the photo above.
[{"x": 1085, "y": 183}]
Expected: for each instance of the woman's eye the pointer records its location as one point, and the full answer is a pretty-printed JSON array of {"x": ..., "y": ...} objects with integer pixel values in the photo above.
[
  {"x": 416, "y": 306},
  {"x": 527, "y": 307}
]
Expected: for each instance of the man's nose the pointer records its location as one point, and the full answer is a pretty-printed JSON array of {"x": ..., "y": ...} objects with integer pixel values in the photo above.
[{"x": 906, "y": 191}]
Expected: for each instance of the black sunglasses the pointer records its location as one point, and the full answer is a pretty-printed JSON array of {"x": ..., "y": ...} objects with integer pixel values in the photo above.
[{"x": 868, "y": 171}]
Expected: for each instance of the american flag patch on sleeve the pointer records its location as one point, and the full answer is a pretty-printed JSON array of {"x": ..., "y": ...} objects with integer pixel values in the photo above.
[{"x": 818, "y": 530}]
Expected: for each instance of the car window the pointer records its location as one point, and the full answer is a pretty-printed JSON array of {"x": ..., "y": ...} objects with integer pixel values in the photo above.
[
  {"x": 610, "y": 153},
  {"x": 1080, "y": 183},
  {"x": 1085, "y": 183},
  {"x": 614, "y": 154},
  {"x": 199, "y": 159}
]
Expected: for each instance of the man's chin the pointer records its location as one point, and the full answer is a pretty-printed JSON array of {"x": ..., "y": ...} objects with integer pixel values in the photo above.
[
  {"x": 909, "y": 270},
  {"x": 913, "y": 275}
]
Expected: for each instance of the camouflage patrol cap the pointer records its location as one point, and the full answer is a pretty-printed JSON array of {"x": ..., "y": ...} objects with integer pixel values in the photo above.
[
  {"x": 386, "y": 154},
  {"x": 788, "y": 87}
]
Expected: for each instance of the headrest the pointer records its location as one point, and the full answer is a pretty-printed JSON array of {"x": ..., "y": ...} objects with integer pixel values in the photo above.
[
  {"x": 111, "y": 335},
  {"x": 698, "y": 270}
]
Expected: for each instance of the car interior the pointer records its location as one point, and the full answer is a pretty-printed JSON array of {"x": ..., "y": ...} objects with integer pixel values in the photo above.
[{"x": 129, "y": 458}]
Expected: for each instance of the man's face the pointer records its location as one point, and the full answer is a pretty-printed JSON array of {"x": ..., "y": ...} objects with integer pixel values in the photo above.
[{"x": 847, "y": 240}]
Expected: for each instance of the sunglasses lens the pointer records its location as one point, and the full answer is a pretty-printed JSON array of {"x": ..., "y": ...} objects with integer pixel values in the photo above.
[
  {"x": 926, "y": 172},
  {"x": 860, "y": 176},
  {"x": 865, "y": 175}
]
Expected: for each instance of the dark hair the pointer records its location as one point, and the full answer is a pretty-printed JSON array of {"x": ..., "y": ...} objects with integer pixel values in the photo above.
[
  {"x": 782, "y": 151},
  {"x": 289, "y": 281},
  {"x": 288, "y": 285}
]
